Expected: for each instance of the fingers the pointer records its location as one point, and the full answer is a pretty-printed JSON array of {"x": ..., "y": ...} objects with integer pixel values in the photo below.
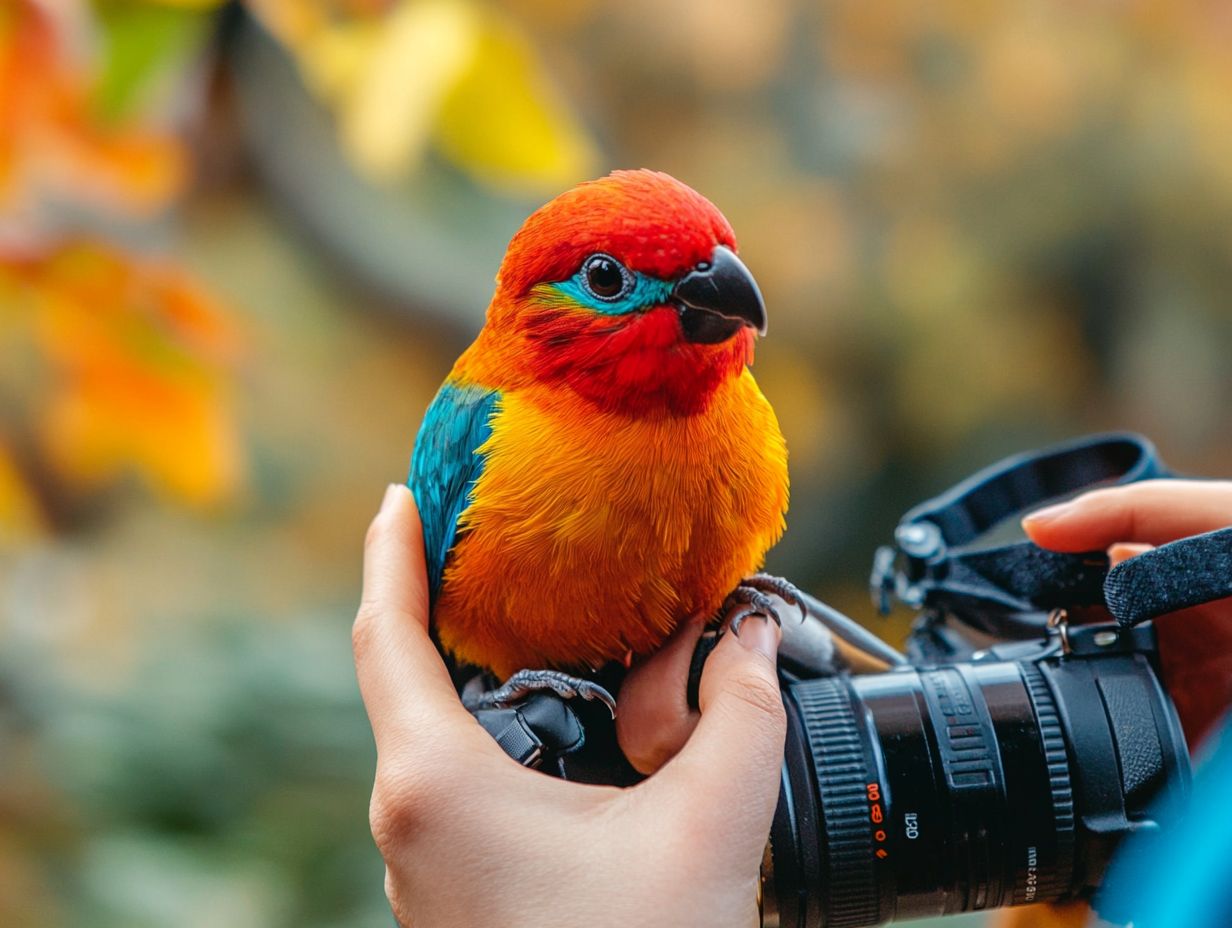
[
  {"x": 1047, "y": 915},
  {"x": 728, "y": 772},
  {"x": 1152, "y": 512},
  {"x": 404, "y": 682},
  {"x": 1123, "y": 551},
  {"x": 1194, "y": 643},
  {"x": 653, "y": 719}
]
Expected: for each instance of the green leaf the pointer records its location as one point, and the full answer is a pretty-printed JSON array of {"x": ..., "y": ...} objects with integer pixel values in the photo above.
[{"x": 141, "y": 43}]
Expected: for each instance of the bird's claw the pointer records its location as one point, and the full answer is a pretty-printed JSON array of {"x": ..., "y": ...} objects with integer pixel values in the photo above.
[
  {"x": 752, "y": 597},
  {"x": 750, "y": 603},
  {"x": 525, "y": 682},
  {"x": 782, "y": 588}
]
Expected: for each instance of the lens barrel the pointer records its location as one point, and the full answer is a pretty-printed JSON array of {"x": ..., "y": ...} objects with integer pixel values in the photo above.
[{"x": 960, "y": 788}]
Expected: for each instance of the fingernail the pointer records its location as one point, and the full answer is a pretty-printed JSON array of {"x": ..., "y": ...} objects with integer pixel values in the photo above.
[
  {"x": 392, "y": 492},
  {"x": 1049, "y": 513},
  {"x": 757, "y": 633}
]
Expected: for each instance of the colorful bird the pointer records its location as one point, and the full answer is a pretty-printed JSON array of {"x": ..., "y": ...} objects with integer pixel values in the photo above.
[{"x": 600, "y": 464}]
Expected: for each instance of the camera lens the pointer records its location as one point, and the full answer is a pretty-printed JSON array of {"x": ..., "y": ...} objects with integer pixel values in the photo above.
[{"x": 960, "y": 788}]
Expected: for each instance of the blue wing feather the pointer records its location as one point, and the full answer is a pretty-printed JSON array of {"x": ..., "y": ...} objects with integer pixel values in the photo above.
[{"x": 445, "y": 465}]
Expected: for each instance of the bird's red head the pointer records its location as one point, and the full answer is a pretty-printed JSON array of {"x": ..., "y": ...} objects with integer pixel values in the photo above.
[{"x": 628, "y": 290}]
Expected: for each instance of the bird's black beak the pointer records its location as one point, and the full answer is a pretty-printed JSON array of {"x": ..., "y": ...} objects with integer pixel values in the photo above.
[{"x": 717, "y": 298}]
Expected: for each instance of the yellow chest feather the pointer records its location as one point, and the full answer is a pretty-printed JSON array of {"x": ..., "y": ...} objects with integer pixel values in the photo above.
[{"x": 590, "y": 534}]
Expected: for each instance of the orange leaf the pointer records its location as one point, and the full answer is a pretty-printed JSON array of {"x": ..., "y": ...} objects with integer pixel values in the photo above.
[
  {"x": 50, "y": 141},
  {"x": 141, "y": 360}
]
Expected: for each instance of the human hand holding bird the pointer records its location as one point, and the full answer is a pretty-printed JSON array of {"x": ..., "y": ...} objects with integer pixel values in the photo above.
[{"x": 469, "y": 838}]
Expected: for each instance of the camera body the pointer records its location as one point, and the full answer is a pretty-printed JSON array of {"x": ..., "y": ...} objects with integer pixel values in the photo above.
[
  {"x": 969, "y": 779},
  {"x": 949, "y": 787}
]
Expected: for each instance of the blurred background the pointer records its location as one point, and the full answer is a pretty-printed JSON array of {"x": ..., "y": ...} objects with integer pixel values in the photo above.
[{"x": 241, "y": 244}]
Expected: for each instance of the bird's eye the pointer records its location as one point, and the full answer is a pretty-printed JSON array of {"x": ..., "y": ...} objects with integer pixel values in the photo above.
[{"x": 606, "y": 277}]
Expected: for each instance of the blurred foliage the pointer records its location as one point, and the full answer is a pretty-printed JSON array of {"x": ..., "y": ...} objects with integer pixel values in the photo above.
[
  {"x": 133, "y": 375},
  {"x": 111, "y": 363},
  {"x": 240, "y": 244},
  {"x": 53, "y": 143},
  {"x": 399, "y": 74}
]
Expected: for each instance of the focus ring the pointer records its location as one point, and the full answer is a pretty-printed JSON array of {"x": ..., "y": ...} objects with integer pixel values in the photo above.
[
  {"x": 1056, "y": 757},
  {"x": 841, "y": 767}
]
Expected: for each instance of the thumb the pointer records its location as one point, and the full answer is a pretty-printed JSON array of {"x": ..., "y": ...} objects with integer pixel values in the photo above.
[{"x": 736, "y": 752}]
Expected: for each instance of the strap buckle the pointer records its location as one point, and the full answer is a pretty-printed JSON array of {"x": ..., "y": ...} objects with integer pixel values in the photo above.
[{"x": 937, "y": 561}]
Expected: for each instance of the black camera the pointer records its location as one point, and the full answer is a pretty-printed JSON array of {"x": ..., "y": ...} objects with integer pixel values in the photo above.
[
  {"x": 955, "y": 787},
  {"x": 969, "y": 777}
]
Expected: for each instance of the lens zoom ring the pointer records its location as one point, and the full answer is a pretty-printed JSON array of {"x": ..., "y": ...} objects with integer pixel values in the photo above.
[
  {"x": 1056, "y": 757},
  {"x": 849, "y": 884}
]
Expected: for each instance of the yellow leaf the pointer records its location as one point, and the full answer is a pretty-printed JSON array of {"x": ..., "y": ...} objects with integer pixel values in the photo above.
[
  {"x": 298, "y": 23},
  {"x": 333, "y": 61},
  {"x": 503, "y": 123},
  {"x": 447, "y": 72},
  {"x": 292, "y": 22},
  {"x": 189, "y": 4},
  {"x": 423, "y": 50}
]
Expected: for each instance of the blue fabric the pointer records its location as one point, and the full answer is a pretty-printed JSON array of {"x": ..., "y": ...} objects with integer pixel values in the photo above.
[
  {"x": 1181, "y": 878},
  {"x": 445, "y": 465}
]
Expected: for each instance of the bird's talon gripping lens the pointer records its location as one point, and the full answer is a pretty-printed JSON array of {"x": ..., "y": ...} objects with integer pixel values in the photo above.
[{"x": 756, "y": 592}]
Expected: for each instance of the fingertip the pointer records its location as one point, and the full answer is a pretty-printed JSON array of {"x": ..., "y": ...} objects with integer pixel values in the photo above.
[
  {"x": 1047, "y": 527},
  {"x": 1048, "y": 514},
  {"x": 743, "y": 665},
  {"x": 1123, "y": 551},
  {"x": 390, "y": 499},
  {"x": 1152, "y": 511},
  {"x": 762, "y": 636},
  {"x": 1069, "y": 526},
  {"x": 398, "y": 505},
  {"x": 394, "y": 566},
  {"x": 1038, "y": 532}
]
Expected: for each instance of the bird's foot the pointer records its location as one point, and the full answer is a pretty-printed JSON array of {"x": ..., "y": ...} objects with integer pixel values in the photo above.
[
  {"x": 754, "y": 597},
  {"x": 525, "y": 682}
]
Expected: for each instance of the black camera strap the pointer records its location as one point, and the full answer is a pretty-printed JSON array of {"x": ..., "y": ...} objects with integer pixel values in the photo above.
[
  {"x": 938, "y": 563},
  {"x": 1184, "y": 573}
]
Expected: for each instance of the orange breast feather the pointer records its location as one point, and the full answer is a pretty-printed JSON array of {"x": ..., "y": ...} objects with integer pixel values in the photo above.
[{"x": 592, "y": 534}]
